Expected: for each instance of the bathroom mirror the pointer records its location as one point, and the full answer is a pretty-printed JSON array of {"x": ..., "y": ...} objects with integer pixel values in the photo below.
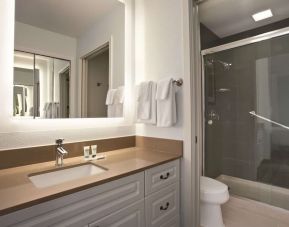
[{"x": 69, "y": 55}]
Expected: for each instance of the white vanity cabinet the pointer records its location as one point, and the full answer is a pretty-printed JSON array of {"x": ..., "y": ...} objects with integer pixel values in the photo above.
[
  {"x": 162, "y": 201},
  {"x": 80, "y": 208},
  {"x": 131, "y": 216},
  {"x": 146, "y": 199}
]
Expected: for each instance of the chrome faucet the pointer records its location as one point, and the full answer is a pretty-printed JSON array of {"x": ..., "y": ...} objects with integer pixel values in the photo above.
[{"x": 60, "y": 152}]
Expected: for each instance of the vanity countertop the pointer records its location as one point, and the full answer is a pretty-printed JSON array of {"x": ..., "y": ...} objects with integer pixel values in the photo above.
[{"x": 18, "y": 192}]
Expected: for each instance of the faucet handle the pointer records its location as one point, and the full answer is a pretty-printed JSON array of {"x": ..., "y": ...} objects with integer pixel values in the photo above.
[{"x": 59, "y": 142}]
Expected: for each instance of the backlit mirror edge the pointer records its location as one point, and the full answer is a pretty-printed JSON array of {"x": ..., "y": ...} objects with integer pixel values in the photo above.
[{"x": 12, "y": 124}]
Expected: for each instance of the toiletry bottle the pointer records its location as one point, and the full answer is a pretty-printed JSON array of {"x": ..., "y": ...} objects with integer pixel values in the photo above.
[
  {"x": 86, "y": 152},
  {"x": 93, "y": 151}
]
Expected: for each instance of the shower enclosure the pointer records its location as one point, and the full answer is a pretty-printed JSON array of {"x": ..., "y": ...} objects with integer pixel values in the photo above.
[{"x": 246, "y": 123}]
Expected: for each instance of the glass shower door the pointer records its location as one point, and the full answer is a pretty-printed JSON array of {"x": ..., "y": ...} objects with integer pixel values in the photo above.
[{"x": 246, "y": 92}]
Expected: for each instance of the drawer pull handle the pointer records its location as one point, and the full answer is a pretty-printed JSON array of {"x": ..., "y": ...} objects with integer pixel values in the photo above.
[
  {"x": 162, "y": 177},
  {"x": 166, "y": 207}
]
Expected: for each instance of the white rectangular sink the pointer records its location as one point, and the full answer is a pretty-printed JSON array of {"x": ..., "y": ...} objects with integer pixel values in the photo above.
[{"x": 55, "y": 177}]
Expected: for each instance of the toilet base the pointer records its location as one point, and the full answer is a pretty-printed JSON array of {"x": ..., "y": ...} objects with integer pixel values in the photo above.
[{"x": 211, "y": 215}]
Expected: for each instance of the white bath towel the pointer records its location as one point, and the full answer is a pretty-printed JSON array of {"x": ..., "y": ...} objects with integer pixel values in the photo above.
[
  {"x": 144, "y": 101},
  {"x": 20, "y": 103},
  {"x": 110, "y": 96},
  {"x": 119, "y": 95},
  {"x": 166, "y": 103},
  {"x": 118, "y": 101},
  {"x": 110, "y": 111},
  {"x": 55, "y": 110},
  {"x": 114, "y": 102}
]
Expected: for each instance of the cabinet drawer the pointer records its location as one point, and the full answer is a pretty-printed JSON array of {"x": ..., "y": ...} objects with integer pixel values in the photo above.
[
  {"x": 174, "y": 222},
  {"x": 161, "y": 176},
  {"x": 162, "y": 205},
  {"x": 131, "y": 216},
  {"x": 81, "y": 208}
]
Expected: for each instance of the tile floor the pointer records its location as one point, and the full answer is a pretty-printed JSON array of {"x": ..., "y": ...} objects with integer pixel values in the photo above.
[{"x": 242, "y": 212}]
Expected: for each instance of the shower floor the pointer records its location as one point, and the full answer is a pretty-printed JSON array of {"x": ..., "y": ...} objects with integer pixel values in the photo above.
[{"x": 243, "y": 212}]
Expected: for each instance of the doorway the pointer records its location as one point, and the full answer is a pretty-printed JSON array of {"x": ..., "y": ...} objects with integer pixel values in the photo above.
[
  {"x": 64, "y": 92},
  {"x": 95, "y": 82}
]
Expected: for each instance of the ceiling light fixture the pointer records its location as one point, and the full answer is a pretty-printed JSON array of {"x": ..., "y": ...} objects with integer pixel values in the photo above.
[{"x": 262, "y": 15}]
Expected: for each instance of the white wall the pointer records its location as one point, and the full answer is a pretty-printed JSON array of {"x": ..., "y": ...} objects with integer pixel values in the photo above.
[
  {"x": 159, "y": 53},
  {"x": 45, "y": 42},
  {"x": 163, "y": 50},
  {"x": 16, "y": 133},
  {"x": 109, "y": 28}
]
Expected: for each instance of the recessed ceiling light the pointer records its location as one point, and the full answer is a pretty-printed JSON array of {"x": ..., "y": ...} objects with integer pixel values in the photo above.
[{"x": 262, "y": 15}]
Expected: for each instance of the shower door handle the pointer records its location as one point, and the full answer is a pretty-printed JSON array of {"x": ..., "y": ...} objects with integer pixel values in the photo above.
[{"x": 213, "y": 115}]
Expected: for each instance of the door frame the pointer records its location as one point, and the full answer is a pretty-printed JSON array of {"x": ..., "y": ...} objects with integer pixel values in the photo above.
[{"x": 84, "y": 71}]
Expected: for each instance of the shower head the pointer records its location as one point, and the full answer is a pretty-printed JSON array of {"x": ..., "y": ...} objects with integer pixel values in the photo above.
[{"x": 226, "y": 65}]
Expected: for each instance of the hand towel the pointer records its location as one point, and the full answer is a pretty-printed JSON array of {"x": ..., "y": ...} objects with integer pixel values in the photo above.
[
  {"x": 166, "y": 103},
  {"x": 163, "y": 89},
  {"x": 144, "y": 101},
  {"x": 153, "y": 107}
]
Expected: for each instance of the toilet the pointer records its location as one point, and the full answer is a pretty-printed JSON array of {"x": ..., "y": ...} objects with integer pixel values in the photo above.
[{"x": 213, "y": 193}]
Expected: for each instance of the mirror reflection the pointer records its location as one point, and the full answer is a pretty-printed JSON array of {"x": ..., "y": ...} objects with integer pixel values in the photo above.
[{"x": 69, "y": 61}]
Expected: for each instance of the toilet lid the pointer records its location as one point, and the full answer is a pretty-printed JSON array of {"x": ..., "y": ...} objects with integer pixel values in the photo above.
[{"x": 209, "y": 185}]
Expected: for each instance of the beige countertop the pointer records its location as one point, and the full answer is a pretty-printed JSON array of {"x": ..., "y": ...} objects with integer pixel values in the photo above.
[{"x": 18, "y": 192}]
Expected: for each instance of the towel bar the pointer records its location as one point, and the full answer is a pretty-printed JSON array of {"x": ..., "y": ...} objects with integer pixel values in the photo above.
[{"x": 178, "y": 82}]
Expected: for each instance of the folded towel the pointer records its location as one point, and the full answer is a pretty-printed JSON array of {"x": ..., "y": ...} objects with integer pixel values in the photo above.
[
  {"x": 163, "y": 88},
  {"x": 110, "y": 96},
  {"x": 48, "y": 111},
  {"x": 144, "y": 101},
  {"x": 115, "y": 110},
  {"x": 20, "y": 104},
  {"x": 144, "y": 91},
  {"x": 55, "y": 110},
  {"x": 119, "y": 95},
  {"x": 111, "y": 111},
  {"x": 152, "y": 119},
  {"x": 166, "y": 103},
  {"x": 114, "y": 102},
  {"x": 118, "y": 110}
]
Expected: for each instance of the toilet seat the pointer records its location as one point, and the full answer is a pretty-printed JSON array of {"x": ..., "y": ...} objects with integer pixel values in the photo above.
[{"x": 213, "y": 191}]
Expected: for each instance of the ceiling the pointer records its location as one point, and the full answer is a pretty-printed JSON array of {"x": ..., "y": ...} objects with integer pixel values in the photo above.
[
  {"x": 228, "y": 17},
  {"x": 68, "y": 17}
]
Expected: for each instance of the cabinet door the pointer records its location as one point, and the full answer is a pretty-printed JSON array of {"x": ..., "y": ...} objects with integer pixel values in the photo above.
[
  {"x": 174, "y": 222},
  {"x": 131, "y": 216},
  {"x": 162, "y": 206},
  {"x": 161, "y": 176}
]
